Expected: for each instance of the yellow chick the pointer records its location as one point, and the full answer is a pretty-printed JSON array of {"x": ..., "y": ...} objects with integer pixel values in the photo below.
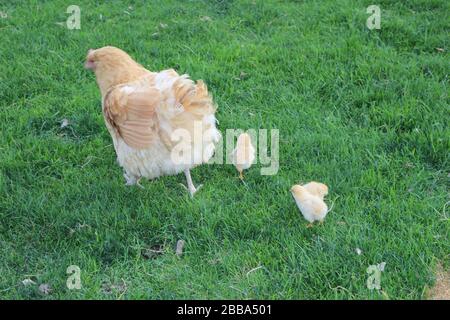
[
  {"x": 317, "y": 189},
  {"x": 312, "y": 207},
  {"x": 243, "y": 154}
]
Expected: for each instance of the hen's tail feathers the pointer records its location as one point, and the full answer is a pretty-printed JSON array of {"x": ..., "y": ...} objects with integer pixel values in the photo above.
[
  {"x": 194, "y": 97},
  {"x": 198, "y": 108}
]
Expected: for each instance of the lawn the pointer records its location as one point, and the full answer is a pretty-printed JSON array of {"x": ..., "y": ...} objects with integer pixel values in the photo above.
[{"x": 364, "y": 111}]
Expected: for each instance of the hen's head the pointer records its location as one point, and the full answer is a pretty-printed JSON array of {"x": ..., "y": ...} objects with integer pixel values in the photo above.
[{"x": 112, "y": 66}]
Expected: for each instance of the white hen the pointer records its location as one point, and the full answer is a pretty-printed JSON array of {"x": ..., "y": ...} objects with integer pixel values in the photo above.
[{"x": 161, "y": 123}]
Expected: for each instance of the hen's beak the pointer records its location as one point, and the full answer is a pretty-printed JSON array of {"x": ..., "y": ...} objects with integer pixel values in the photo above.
[{"x": 89, "y": 64}]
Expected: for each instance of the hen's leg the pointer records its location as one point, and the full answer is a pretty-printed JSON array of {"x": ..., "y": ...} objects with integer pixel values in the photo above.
[
  {"x": 192, "y": 189},
  {"x": 132, "y": 180},
  {"x": 241, "y": 175}
]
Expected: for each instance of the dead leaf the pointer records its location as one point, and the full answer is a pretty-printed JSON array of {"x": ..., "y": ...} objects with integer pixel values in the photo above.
[
  {"x": 440, "y": 49},
  {"x": 205, "y": 18},
  {"x": 108, "y": 288},
  {"x": 163, "y": 25},
  {"x": 3, "y": 15},
  {"x": 243, "y": 75},
  {"x": 441, "y": 288},
  {"x": 180, "y": 246},
  {"x": 45, "y": 288},
  {"x": 121, "y": 287},
  {"x": 153, "y": 252},
  {"x": 409, "y": 165},
  {"x": 64, "y": 123},
  {"x": 358, "y": 251},
  {"x": 28, "y": 282}
]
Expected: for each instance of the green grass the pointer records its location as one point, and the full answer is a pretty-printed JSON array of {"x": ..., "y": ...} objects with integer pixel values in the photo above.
[{"x": 365, "y": 112}]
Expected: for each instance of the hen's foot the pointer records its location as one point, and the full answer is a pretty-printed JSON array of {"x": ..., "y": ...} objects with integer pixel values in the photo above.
[
  {"x": 132, "y": 180},
  {"x": 191, "y": 188}
]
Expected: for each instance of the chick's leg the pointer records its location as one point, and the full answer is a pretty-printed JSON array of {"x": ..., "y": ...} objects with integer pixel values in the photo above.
[
  {"x": 241, "y": 175},
  {"x": 192, "y": 189}
]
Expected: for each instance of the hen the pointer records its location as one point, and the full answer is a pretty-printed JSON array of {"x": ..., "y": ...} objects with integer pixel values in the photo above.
[{"x": 161, "y": 123}]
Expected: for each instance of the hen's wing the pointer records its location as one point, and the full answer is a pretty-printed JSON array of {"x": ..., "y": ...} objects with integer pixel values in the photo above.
[{"x": 131, "y": 111}]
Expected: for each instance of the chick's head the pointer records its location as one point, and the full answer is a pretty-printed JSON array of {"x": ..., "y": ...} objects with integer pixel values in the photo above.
[
  {"x": 299, "y": 191},
  {"x": 244, "y": 139},
  {"x": 321, "y": 188}
]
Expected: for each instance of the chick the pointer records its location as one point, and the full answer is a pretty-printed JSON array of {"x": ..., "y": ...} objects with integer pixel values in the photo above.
[
  {"x": 243, "y": 154},
  {"x": 312, "y": 207},
  {"x": 317, "y": 189}
]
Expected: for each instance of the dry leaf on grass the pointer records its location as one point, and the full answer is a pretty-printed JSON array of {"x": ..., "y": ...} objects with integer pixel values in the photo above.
[
  {"x": 45, "y": 288},
  {"x": 180, "y": 246},
  {"x": 28, "y": 282},
  {"x": 153, "y": 252},
  {"x": 205, "y": 18},
  {"x": 242, "y": 76},
  {"x": 64, "y": 123},
  {"x": 109, "y": 288},
  {"x": 441, "y": 288}
]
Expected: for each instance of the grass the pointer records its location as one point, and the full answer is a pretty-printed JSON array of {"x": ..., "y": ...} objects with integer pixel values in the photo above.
[{"x": 365, "y": 112}]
